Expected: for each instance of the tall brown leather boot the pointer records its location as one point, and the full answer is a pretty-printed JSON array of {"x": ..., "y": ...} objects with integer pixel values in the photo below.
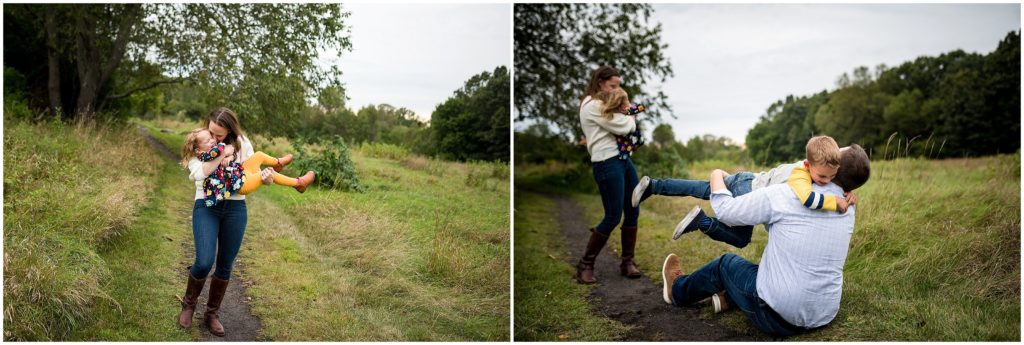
[
  {"x": 628, "y": 267},
  {"x": 585, "y": 268},
  {"x": 217, "y": 289},
  {"x": 193, "y": 288}
]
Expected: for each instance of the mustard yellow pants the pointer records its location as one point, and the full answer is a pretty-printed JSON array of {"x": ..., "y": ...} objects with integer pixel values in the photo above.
[{"x": 251, "y": 171}]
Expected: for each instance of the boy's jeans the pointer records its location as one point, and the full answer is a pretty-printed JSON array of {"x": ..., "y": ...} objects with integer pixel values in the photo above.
[
  {"x": 738, "y": 184},
  {"x": 614, "y": 177},
  {"x": 738, "y": 277}
]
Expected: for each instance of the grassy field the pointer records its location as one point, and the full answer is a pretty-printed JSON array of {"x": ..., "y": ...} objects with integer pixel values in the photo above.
[
  {"x": 935, "y": 253},
  {"x": 422, "y": 255}
]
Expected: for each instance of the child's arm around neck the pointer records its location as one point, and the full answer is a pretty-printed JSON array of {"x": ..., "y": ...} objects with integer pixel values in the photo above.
[{"x": 213, "y": 153}]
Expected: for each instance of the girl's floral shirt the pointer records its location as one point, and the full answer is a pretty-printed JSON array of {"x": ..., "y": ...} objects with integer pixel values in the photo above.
[
  {"x": 628, "y": 143},
  {"x": 223, "y": 182}
]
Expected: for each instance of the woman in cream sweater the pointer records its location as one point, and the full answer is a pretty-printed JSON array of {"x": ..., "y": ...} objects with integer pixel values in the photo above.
[{"x": 614, "y": 173}]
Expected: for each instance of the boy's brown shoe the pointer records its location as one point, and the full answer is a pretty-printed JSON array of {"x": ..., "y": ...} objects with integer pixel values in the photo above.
[
  {"x": 670, "y": 271},
  {"x": 281, "y": 162},
  {"x": 305, "y": 181}
]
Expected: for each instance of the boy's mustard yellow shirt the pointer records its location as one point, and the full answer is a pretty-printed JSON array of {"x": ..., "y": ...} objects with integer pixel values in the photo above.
[{"x": 800, "y": 181}]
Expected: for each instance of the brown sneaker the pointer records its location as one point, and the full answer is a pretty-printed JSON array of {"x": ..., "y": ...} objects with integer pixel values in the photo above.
[
  {"x": 670, "y": 271},
  {"x": 718, "y": 301},
  {"x": 305, "y": 181},
  {"x": 281, "y": 162}
]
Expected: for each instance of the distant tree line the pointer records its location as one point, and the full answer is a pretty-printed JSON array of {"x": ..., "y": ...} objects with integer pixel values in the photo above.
[
  {"x": 109, "y": 62},
  {"x": 957, "y": 104}
]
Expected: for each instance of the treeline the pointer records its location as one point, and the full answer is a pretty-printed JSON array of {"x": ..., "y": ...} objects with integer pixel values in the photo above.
[
  {"x": 663, "y": 156},
  {"x": 954, "y": 105},
  {"x": 472, "y": 124},
  {"x": 110, "y": 62}
]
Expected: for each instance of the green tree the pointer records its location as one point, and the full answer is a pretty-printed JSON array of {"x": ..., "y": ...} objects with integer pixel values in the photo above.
[
  {"x": 473, "y": 124},
  {"x": 228, "y": 51},
  {"x": 557, "y": 47},
  {"x": 663, "y": 135}
]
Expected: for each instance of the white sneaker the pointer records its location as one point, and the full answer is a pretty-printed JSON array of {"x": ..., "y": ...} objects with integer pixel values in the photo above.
[
  {"x": 638, "y": 191},
  {"x": 689, "y": 223}
]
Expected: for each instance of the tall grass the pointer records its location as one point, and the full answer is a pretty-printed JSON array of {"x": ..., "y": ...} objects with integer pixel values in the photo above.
[{"x": 68, "y": 190}]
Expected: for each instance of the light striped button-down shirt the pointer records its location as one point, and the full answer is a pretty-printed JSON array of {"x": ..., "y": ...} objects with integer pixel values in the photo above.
[{"x": 801, "y": 270}]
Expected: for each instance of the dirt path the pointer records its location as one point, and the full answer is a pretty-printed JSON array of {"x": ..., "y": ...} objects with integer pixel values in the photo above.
[
  {"x": 636, "y": 302},
  {"x": 235, "y": 312}
]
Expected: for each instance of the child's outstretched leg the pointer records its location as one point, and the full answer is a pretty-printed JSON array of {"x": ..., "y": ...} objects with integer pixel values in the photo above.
[
  {"x": 252, "y": 173},
  {"x": 259, "y": 159},
  {"x": 253, "y": 181},
  {"x": 737, "y": 236}
]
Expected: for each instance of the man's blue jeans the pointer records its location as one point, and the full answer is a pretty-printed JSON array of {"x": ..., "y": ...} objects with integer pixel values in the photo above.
[
  {"x": 738, "y": 277},
  {"x": 738, "y": 184},
  {"x": 218, "y": 232},
  {"x": 616, "y": 179}
]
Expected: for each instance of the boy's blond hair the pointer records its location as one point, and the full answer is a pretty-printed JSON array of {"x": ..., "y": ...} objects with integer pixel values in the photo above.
[
  {"x": 823, "y": 150},
  {"x": 611, "y": 102}
]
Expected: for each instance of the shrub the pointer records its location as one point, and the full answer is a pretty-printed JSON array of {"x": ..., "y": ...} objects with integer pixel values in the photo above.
[
  {"x": 15, "y": 105},
  {"x": 333, "y": 164}
]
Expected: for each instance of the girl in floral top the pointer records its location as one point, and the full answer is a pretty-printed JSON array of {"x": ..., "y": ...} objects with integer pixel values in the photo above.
[{"x": 230, "y": 177}]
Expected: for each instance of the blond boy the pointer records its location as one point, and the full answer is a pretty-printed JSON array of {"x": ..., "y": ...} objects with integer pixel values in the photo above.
[{"x": 820, "y": 166}]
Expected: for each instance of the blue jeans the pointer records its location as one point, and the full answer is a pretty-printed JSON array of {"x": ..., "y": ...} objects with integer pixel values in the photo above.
[
  {"x": 218, "y": 232},
  {"x": 616, "y": 179},
  {"x": 738, "y": 184},
  {"x": 738, "y": 277}
]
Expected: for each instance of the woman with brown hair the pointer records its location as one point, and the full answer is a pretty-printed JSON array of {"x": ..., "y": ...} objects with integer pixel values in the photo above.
[
  {"x": 614, "y": 173},
  {"x": 217, "y": 230}
]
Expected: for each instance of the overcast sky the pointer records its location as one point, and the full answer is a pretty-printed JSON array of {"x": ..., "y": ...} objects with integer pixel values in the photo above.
[
  {"x": 416, "y": 55},
  {"x": 732, "y": 61}
]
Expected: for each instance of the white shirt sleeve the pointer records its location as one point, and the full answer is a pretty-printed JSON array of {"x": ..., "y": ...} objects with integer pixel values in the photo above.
[
  {"x": 749, "y": 209},
  {"x": 195, "y": 168}
]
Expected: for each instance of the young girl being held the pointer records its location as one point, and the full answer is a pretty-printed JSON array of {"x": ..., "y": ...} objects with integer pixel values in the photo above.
[
  {"x": 230, "y": 177},
  {"x": 617, "y": 101}
]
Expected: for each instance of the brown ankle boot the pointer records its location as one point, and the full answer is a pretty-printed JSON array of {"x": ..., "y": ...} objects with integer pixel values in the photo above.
[
  {"x": 585, "y": 268},
  {"x": 628, "y": 267},
  {"x": 305, "y": 181},
  {"x": 193, "y": 288},
  {"x": 281, "y": 162},
  {"x": 217, "y": 289}
]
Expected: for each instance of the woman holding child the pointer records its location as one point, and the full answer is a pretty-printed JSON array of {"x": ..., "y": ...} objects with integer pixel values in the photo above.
[
  {"x": 214, "y": 156},
  {"x": 602, "y": 117}
]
